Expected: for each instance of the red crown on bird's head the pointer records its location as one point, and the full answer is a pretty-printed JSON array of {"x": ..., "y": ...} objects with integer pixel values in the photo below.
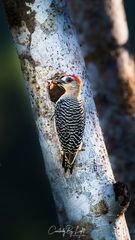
[{"x": 78, "y": 80}]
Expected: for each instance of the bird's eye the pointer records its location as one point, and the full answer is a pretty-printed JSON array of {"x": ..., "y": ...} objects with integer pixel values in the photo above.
[{"x": 69, "y": 79}]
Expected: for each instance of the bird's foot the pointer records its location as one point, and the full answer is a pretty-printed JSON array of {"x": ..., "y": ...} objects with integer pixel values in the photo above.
[
  {"x": 82, "y": 147},
  {"x": 52, "y": 116}
]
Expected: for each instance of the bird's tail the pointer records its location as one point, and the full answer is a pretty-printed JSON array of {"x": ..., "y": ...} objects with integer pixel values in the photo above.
[{"x": 68, "y": 161}]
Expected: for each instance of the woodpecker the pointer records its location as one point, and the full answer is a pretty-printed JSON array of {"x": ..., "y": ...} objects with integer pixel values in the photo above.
[{"x": 70, "y": 119}]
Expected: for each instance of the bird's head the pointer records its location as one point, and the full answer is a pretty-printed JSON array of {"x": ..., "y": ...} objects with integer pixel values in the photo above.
[{"x": 71, "y": 83}]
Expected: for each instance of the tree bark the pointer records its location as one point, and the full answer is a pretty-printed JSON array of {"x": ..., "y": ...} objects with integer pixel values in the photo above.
[
  {"x": 103, "y": 35},
  {"x": 46, "y": 44}
]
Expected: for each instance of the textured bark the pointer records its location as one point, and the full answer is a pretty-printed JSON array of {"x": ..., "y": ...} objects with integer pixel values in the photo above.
[
  {"x": 103, "y": 35},
  {"x": 105, "y": 30},
  {"x": 46, "y": 44}
]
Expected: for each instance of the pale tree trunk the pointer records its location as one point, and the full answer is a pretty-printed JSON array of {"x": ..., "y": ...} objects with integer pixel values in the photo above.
[
  {"x": 46, "y": 44},
  {"x": 103, "y": 35}
]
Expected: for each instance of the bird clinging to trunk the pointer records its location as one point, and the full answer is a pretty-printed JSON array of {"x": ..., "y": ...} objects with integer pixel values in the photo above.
[{"x": 70, "y": 119}]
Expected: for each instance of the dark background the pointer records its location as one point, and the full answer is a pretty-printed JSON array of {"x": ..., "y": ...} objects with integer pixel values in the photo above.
[{"x": 130, "y": 12}]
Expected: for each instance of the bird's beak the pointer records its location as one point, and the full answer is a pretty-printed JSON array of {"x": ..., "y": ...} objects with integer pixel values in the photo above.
[{"x": 59, "y": 80}]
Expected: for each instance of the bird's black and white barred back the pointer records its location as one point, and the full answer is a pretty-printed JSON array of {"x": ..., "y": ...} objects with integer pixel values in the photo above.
[{"x": 70, "y": 123}]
